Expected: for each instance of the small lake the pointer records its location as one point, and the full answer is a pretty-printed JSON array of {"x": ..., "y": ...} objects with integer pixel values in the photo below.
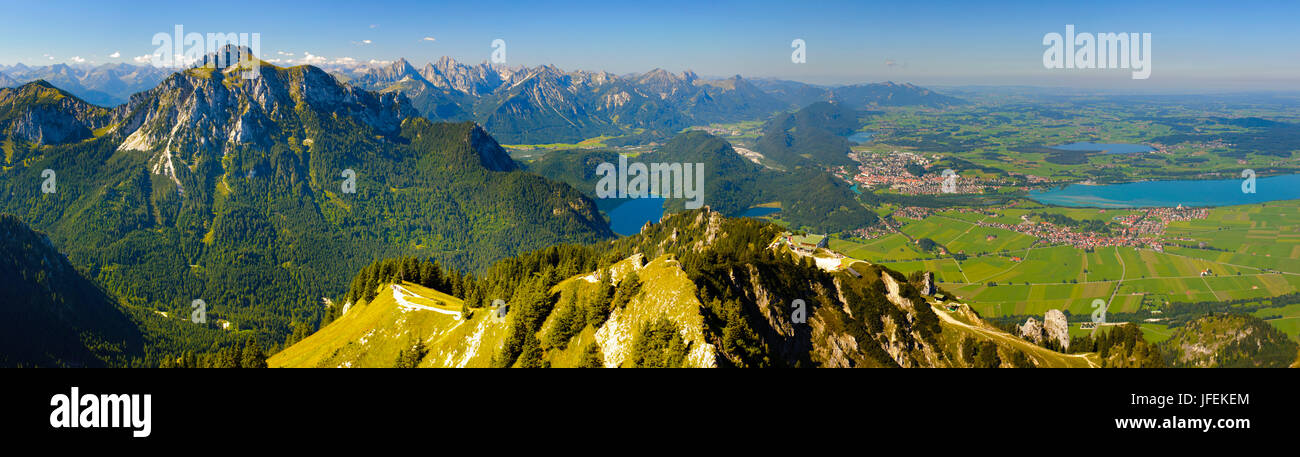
[
  {"x": 860, "y": 137},
  {"x": 759, "y": 211},
  {"x": 628, "y": 217},
  {"x": 1148, "y": 194},
  {"x": 1108, "y": 148}
]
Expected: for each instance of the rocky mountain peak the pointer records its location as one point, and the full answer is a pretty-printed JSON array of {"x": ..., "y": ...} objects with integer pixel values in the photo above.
[{"x": 203, "y": 111}]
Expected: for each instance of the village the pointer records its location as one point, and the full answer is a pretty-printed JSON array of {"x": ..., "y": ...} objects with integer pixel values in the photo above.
[
  {"x": 910, "y": 173},
  {"x": 1141, "y": 229}
]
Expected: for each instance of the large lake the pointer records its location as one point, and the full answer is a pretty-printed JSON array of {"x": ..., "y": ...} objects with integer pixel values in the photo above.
[
  {"x": 1108, "y": 148},
  {"x": 1147, "y": 194}
]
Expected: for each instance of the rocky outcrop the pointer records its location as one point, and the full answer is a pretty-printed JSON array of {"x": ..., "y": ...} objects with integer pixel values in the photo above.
[
  {"x": 1057, "y": 327},
  {"x": 1054, "y": 327},
  {"x": 210, "y": 112},
  {"x": 927, "y": 288},
  {"x": 1032, "y": 330}
]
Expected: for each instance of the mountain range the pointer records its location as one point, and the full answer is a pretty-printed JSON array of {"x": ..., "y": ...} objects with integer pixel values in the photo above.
[
  {"x": 544, "y": 104},
  {"x": 261, "y": 197},
  {"x": 538, "y": 105},
  {"x": 104, "y": 85},
  {"x": 237, "y": 192}
]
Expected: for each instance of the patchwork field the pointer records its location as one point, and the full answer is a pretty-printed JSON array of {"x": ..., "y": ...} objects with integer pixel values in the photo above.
[{"x": 1236, "y": 253}]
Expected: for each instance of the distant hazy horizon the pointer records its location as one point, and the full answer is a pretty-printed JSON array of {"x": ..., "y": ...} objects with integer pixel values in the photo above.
[{"x": 1196, "y": 46}]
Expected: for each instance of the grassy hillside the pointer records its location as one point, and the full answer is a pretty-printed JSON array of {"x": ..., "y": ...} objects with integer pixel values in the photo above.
[
  {"x": 696, "y": 290},
  {"x": 371, "y": 334}
]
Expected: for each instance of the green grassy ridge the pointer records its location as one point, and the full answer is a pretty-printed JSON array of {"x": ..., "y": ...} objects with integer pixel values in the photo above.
[
  {"x": 714, "y": 306},
  {"x": 1231, "y": 340},
  {"x": 372, "y": 333}
]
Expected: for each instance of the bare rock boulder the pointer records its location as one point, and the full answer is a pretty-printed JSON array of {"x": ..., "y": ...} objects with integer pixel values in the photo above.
[
  {"x": 1057, "y": 328},
  {"x": 1032, "y": 331}
]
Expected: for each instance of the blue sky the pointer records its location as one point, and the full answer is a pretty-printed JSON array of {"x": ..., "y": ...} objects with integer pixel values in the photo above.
[{"x": 1201, "y": 45}]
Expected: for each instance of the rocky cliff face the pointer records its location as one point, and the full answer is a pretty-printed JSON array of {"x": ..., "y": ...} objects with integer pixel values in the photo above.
[
  {"x": 1056, "y": 327},
  {"x": 204, "y": 111},
  {"x": 41, "y": 114},
  {"x": 1032, "y": 330}
]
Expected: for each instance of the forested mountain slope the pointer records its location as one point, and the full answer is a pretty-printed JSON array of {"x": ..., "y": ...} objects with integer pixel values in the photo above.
[
  {"x": 51, "y": 316},
  {"x": 240, "y": 192},
  {"x": 809, "y": 196}
]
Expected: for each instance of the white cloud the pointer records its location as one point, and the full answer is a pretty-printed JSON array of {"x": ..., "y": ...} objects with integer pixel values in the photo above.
[
  {"x": 310, "y": 59},
  {"x": 115, "y": 54},
  {"x": 143, "y": 59},
  {"x": 344, "y": 61},
  {"x": 290, "y": 54},
  {"x": 380, "y": 62},
  {"x": 77, "y": 59},
  {"x": 48, "y": 56},
  {"x": 429, "y": 38},
  {"x": 374, "y": 26}
]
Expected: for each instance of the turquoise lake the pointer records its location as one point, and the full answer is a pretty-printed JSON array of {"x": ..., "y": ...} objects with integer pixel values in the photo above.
[
  {"x": 1147, "y": 194},
  {"x": 1108, "y": 148},
  {"x": 860, "y": 137}
]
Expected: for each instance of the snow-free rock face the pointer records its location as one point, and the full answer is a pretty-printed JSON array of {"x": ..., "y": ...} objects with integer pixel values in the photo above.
[
  {"x": 1056, "y": 327},
  {"x": 1053, "y": 327},
  {"x": 1032, "y": 331},
  {"x": 203, "y": 111},
  {"x": 41, "y": 114}
]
